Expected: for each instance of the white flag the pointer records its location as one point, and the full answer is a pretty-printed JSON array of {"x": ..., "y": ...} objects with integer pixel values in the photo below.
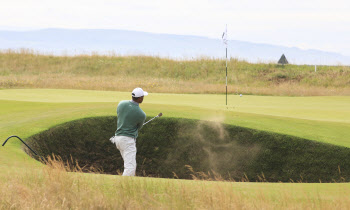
[{"x": 224, "y": 36}]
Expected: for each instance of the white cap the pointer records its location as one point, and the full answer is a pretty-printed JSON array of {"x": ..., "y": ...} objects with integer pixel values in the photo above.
[{"x": 138, "y": 92}]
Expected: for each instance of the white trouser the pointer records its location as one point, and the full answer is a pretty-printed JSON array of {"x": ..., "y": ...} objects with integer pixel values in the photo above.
[{"x": 127, "y": 147}]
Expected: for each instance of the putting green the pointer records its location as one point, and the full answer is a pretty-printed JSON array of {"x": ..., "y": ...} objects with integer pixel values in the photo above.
[
  {"x": 321, "y": 108},
  {"x": 324, "y": 119}
]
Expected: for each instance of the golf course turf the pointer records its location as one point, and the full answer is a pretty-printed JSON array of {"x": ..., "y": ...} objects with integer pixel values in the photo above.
[{"x": 317, "y": 119}]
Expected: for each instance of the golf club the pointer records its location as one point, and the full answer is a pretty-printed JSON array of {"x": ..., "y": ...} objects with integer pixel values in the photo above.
[
  {"x": 159, "y": 115},
  {"x": 24, "y": 144}
]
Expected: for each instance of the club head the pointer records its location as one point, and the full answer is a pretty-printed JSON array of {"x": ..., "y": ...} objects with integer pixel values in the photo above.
[{"x": 160, "y": 114}]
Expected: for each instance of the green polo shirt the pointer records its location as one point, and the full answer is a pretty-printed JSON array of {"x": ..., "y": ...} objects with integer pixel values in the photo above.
[{"x": 130, "y": 119}]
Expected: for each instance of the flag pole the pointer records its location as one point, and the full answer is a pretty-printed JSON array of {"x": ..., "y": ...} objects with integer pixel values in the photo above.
[
  {"x": 224, "y": 39},
  {"x": 226, "y": 75}
]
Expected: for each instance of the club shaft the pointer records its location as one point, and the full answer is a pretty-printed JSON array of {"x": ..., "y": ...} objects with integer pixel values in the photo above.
[{"x": 150, "y": 120}]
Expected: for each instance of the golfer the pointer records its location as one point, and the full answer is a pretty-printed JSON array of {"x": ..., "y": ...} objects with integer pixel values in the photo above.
[{"x": 130, "y": 120}]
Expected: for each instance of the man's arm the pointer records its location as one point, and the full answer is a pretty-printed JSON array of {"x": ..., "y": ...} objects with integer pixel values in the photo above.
[{"x": 140, "y": 125}]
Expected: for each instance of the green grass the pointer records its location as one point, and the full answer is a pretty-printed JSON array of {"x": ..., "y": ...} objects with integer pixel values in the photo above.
[
  {"x": 324, "y": 119},
  {"x": 27, "y": 112}
]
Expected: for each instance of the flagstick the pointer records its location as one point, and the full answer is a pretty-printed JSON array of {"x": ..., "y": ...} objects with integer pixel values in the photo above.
[
  {"x": 226, "y": 75},
  {"x": 224, "y": 38}
]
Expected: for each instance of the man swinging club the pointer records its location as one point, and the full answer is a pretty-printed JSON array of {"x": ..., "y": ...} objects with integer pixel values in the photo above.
[{"x": 130, "y": 120}]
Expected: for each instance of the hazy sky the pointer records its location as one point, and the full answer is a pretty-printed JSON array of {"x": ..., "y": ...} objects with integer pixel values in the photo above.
[{"x": 307, "y": 24}]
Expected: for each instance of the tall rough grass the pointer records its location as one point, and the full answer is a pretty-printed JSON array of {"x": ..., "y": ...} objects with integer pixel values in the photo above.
[
  {"x": 58, "y": 187},
  {"x": 22, "y": 69}
]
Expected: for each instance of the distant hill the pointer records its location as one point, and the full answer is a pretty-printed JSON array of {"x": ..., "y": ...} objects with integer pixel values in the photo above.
[{"x": 121, "y": 42}]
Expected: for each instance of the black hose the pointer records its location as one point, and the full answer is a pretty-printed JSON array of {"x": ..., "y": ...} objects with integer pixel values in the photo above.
[{"x": 24, "y": 144}]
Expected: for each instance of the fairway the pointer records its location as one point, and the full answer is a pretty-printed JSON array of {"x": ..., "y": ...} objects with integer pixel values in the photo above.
[{"x": 25, "y": 112}]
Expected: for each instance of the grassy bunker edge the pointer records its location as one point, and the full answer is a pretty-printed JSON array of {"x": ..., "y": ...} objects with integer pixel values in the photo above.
[{"x": 183, "y": 148}]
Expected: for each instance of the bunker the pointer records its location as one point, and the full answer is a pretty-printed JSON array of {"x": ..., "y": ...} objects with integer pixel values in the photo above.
[{"x": 183, "y": 148}]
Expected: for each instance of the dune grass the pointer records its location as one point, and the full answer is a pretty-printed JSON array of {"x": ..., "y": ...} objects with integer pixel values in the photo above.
[
  {"x": 26, "y": 69},
  {"x": 53, "y": 188}
]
